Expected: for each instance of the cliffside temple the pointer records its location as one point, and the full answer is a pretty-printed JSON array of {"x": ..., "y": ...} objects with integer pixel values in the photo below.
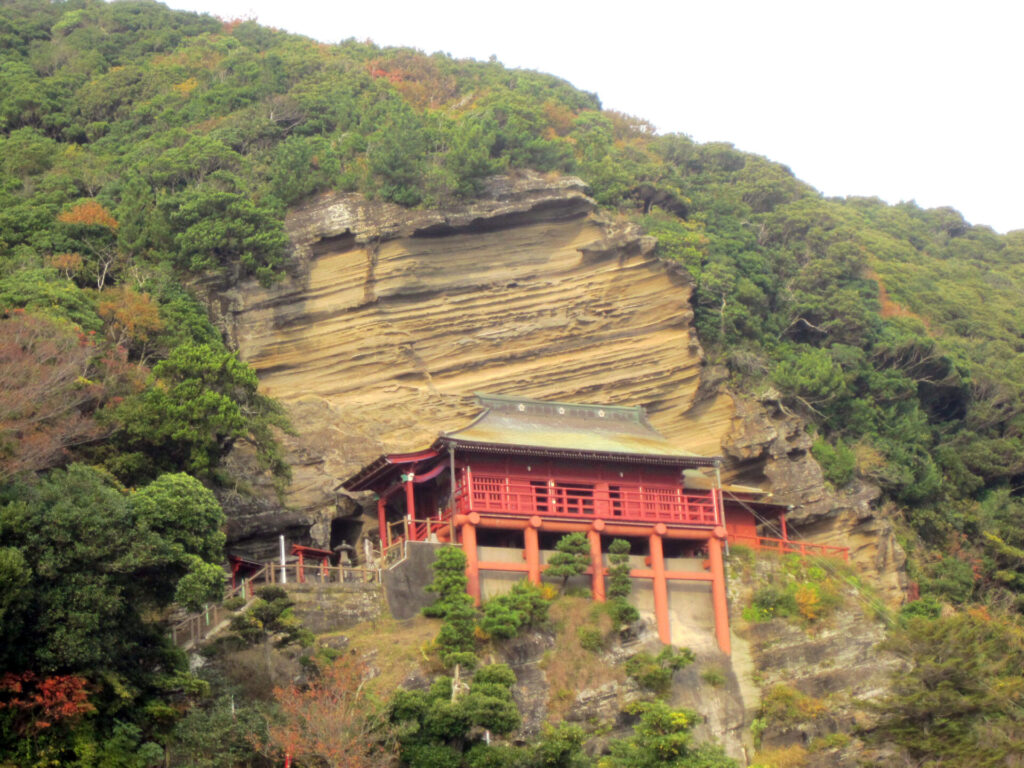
[{"x": 525, "y": 472}]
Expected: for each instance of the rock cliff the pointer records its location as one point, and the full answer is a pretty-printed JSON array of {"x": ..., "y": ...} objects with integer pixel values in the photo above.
[{"x": 390, "y": 319}]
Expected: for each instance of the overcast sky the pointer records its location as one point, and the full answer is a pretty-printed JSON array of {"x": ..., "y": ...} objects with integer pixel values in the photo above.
[{"x": 903, "y": 100}]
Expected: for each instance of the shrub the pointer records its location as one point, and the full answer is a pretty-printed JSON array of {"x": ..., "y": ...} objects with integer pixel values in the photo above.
[
  {"x": 524, "y": 606},
  {"x": 655, "y": 672},
  {"x": 591, "y": 639},
  {"x": 785, "y": 705},
  {"x": 713, "y": 676}
]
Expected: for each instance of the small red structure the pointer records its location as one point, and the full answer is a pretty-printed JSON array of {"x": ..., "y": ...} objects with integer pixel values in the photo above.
[
  {"x": 525, "y": 468},
  {"x": 320, "y": 556},
  {"x": 242, "y": 568}
]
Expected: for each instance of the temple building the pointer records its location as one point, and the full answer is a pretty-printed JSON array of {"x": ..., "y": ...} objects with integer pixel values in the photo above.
[{"x": 526, "y": 472}]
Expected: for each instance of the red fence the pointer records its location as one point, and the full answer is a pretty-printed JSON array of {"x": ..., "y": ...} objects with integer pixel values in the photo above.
[
  {"x": 526, "y": 496},
  {"x": 790, "y": 547}
]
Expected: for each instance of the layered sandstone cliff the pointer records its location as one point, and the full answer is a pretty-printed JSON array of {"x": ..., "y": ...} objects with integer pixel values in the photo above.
[{"x": 390, "y": 319}]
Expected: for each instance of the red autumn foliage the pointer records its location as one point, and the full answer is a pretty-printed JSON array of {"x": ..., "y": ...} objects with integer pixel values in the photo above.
[
  {"x": 331, "y": 721},
  {"x": 41, "y": 702},
  {"x": 53, "y": 379}
]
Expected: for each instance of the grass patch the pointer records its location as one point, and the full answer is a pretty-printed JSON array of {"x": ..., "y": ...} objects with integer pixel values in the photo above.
[
  {"x": 567, "y": 668},
  {"x": 393, "y": 648},
  {"x": 793, "y": 756}
]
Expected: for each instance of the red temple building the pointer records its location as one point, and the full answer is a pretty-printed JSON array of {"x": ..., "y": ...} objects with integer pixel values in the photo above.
[{"x": 526, "y": 472}]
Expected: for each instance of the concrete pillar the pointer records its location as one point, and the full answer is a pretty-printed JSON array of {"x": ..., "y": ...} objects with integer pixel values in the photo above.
[
  {"x": 532, "y": 545},
  {"x": 597, "y": 567},
  {"x": 718, "y": 596},
  {"x": 660, "y": 584},
  {"x": 472, "y": 559}
]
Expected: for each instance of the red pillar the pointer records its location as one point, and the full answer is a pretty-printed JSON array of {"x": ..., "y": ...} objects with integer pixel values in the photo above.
[
  {"x": 718, "y": 598},
  {"x": 532, "y": 545},
  {"x": 410, "y": 504},
  {"x": 472, "y": 560},
  {"x": 382, "y": 523},
  {"x": 597, "y": 567},
  {"x": 302, "y": 571},
  {"x": 782, "y": 522},
  {"x": 660, "y": 584}
]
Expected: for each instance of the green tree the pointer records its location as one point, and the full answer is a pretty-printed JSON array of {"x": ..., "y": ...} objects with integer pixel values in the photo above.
[
  {"x": 200, "y": 401},
  {"x": 620, "y": 584},
  {"x": 270, "y": 622},
  {"x": 571, "y": 558},
  {"x": 456, "y": 639},
  {"x": 98, "y": 560},
  {"x": 663, "y": 738}
]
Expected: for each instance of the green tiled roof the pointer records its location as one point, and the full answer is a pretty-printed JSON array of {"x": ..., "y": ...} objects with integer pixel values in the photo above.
[{"x": 519, "y": 424}]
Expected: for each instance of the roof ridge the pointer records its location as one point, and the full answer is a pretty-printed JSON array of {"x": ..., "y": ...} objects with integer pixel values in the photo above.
[{"x": 637, "y": 410}]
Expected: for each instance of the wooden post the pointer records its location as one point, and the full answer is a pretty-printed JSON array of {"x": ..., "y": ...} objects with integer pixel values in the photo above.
[
  {"x": 410, "y": 502},
  {"x": 382, "y": 524},
  {"x": 596, "y": 565},
  {"x": 660, "y": 584},
  {"x": 472, "y": 559},
  {"x": 532, "y": 544},
  {"x": 718, "y": 596}
]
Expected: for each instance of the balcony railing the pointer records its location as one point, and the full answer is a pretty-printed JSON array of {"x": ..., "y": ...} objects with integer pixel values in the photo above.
[
  {"x": 627, "y": 502},
  {"x": 790, "y": 547}
]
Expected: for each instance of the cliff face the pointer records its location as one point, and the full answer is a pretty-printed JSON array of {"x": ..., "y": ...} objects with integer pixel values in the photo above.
[{"x": 391, "y": 319}]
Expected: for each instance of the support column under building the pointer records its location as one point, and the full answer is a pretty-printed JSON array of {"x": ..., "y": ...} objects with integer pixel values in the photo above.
[
  {"x": 532, "y": 546},
  {"x": 472, "y": 557},
  {"x": 596, "y": 565},
  {"x": 660, "y": 584},
  {"x": 718, "y": 595}
]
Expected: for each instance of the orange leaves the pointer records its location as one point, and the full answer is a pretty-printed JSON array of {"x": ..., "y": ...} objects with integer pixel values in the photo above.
[
  {"x": 43, "y": 701},
  {"x": 68, "y": 263},
  {"x": 130, "y": 315},
  {"x": 332, "y": 720},
  {"x": 88, "y": 213}
]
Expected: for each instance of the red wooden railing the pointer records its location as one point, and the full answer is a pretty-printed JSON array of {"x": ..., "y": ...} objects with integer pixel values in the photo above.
[
  {"x": 789, "y": 547},
  {"x": 626, "y": 501}
]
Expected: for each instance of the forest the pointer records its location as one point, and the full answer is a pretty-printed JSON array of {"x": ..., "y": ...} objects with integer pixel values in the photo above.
[{"x": 144, "y": 150}]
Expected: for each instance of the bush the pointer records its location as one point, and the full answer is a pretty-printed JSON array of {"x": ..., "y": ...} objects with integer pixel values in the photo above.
[
  {"x": 655, "y": 672},
  {"x": 713, "y": 676},
  {"x": 591, "y": 639},
  {"x": 838, "y": 462},
  {"x": 784, "y": 705},
  {"x": 522, "y": 607}
]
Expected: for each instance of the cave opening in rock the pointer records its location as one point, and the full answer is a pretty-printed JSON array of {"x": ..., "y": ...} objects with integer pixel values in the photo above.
[{"x": 345, "y": 532}]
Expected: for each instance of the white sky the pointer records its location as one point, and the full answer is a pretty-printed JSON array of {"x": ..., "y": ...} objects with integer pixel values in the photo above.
[{"x": 905, "y": 100}]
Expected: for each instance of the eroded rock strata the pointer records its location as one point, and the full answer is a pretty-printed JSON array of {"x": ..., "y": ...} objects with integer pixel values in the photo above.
[{"x": 390, "y": 319}]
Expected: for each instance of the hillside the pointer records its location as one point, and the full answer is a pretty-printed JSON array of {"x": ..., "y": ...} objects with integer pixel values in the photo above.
[{"x": 174, "y": 254}]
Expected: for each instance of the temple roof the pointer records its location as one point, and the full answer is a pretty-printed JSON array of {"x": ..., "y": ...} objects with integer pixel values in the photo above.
[{"x": 522, "y": 425}]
